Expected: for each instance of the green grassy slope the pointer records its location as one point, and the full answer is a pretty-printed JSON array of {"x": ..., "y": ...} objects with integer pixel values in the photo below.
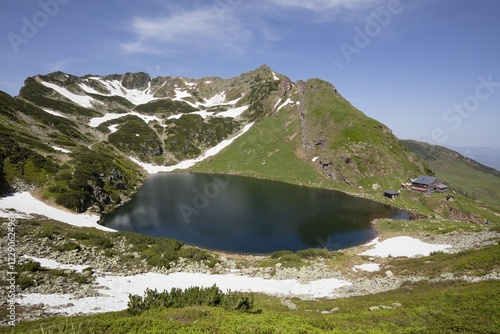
[
  {"x": 350, "y": 149},
  {"x": 462, "y": 174},
  {"x": 78, "y": 179},
  {"x": 361, "y": 150},
  {"x": 425, "y": 308},
  {"x": 268, "y": 150}
]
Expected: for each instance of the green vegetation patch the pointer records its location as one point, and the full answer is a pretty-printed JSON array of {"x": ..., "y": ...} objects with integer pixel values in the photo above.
[
  {"x": 268, "y": 150},
  {"x": 351, "y": 145},
  {"x": 19, "y": 162},
  {"x": 260, "y": 89},
  {"x": 118, "y": 104},
  {"x": 437, "y": 226},
  {"x": 190, "y": 134},
  {"x": 166, "y": 106},
  {"x": 98, "y": 178},
  {"x": 60, "y": 124},
  {"x": 135, "y": 136},
  {"x": 474, "y": 262},
  {"x": 158, "y": 252}
]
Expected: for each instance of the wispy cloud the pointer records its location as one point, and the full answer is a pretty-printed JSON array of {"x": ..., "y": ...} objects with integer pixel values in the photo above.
[
  {"x": 320, "y": 6},
  {"x": 201, "y": 28},
  {"x": 234, "y": 27},
  {"x": 59, "y": 65}
]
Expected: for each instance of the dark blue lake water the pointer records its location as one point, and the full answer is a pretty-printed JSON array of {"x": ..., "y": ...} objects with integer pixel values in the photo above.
[{"x": 247, "y": 215}]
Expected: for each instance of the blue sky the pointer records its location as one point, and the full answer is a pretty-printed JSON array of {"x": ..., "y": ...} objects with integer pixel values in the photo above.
[{"x": 428, "y": 69}]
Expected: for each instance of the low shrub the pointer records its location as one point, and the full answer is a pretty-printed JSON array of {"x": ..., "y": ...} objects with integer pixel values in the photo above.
[
  {"x": 29, "y": 265},
  {"x": 78, "y": 235},
  {"x": 24, "y": 282},
  {"x": 280, "y": 253},
  {"x": 101, "y": 241},
  {"x": 194, "y": 296},
  {"x": 69, "y": 246},
  {"x": 312, "y": 253},
  {"x": 291, "y": 259},
  {"x": 81, "y": 279},
  {"x": 158, "y": 252},
  {"x": 50, "y": 233},
  {"x": 197, "y": 254}
]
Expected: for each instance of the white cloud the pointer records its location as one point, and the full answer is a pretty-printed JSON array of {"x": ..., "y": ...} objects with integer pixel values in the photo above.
[
  {"x": 234, "y": 26},
  {"x": 202, "y": 28},
  {"x": 320, "y": 6}
]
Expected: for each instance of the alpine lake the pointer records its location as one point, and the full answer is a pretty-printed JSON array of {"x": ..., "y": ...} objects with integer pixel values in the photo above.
[{"x": 246, "y": 215}]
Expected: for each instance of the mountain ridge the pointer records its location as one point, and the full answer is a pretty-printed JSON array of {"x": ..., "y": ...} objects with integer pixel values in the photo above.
[
  {"x": 463, "y": 174},
  {"x": 77, "y": 139},
  {"x": 489, "y": 156}
]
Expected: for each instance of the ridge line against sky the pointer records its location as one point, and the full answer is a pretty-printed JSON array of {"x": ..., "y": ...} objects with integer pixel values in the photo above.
[{"x": 428, "y": 69}]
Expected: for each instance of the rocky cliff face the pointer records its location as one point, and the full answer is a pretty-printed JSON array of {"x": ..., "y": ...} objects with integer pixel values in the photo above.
[{"x": 348, "y": 145}]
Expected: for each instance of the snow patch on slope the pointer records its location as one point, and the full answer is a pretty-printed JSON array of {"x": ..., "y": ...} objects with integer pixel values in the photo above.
[
  {"x": 288, "y": 101},
  {"x": 215, "y": 100},
  {"x": 82, "y": 100},
  {"x": 53, "y": 264},
  {"x": 25, "y": 204},
  {"x": 113, "y": 128},
  {"x": 55, "y": 113},
  {"x": 403, "y": 246},
  {"x": 370, "y": 267},
  {"x": 114, "y": 290},
  {"x": 235, "y": 112},
  {"x": 96, "y": 121},
  {"x": 115, "y": 88},
  {"x": 60, "y": 149}
]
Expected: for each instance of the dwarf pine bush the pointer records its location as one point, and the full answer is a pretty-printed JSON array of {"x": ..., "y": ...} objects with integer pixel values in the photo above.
[{"x": 194, "y": 296}]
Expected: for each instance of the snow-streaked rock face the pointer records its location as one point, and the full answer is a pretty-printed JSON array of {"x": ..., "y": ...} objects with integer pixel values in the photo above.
[
  {"x": 82, "y": 100},
  {"x": 115, "y": 88}
]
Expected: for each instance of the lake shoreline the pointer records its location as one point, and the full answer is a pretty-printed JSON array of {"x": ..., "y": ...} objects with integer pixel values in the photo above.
[
  {"x": 366, "y": 274},
  {"x": 241, "y": 214}
]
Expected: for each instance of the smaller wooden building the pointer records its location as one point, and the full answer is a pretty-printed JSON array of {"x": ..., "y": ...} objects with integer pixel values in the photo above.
[{"x": 392, "y": 194}]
